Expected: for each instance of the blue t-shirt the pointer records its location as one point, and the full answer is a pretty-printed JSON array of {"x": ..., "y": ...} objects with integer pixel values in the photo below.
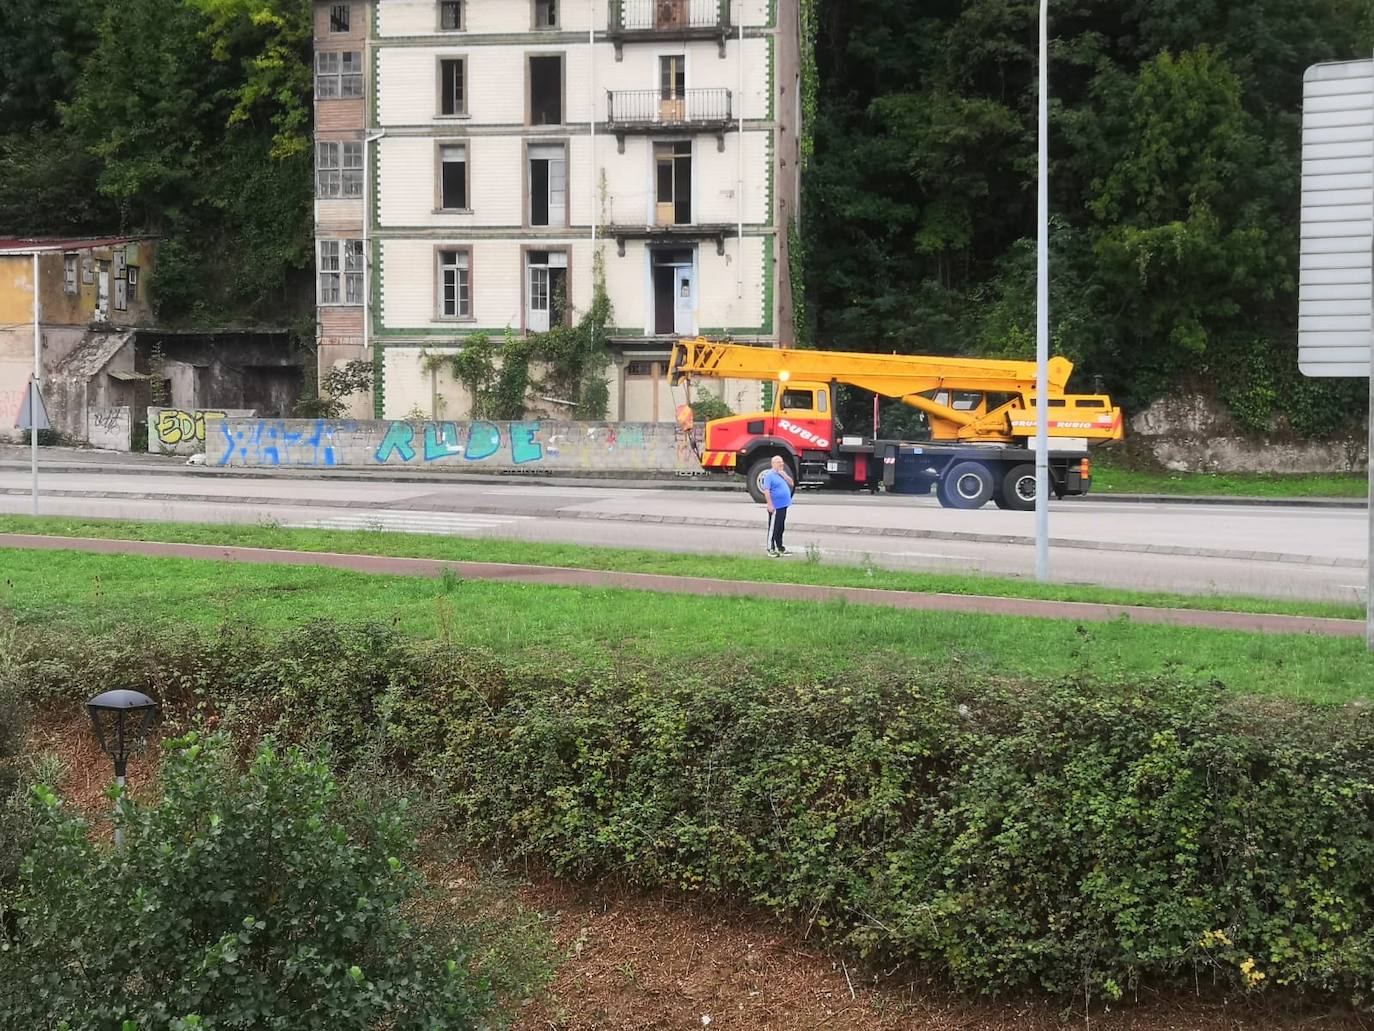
[{"x": 778, "y": 490}]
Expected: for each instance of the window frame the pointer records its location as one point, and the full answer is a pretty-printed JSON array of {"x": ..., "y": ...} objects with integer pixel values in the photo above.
[
  {"x": 339, "y": 75},
  {"x": 70, "y": 262},
  {"x": 131, "y": 274},
  {"x": 347, "y": 10},
  {"x": 346, "y": 266},
  {"x": 462, "y": 7},
  {"x": 344, "y": 186},
  {"x": 440, "y": 250},
  {"x": 439, "y": 147},
  {"x": 528, "y": 186},
  {"x": 439, "y": 62}
]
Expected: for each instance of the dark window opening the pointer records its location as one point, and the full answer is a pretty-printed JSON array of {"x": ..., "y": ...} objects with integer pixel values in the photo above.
[
  {"x": 339, "y": 18},
  {"x": 450, "y": 15},
  {"x": 546, "y": 91},
  {"x": 539, "y": 193},
  {"x": 455, "y": 178},
  {"x": 452, "y": 95},
  {"x": 673, "y": 175},
  {"x": 797, "y": 401},
  {"x": 546, "y": 14}
]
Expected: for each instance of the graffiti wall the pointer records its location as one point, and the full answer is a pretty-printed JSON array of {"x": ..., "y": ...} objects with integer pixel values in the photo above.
[
  {"x": 176, "y": 431},
  {"x": 529, "y": 447},
  {"x": 110, "y": 428}
]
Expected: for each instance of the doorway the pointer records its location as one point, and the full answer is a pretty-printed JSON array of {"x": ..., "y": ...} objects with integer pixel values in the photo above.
[
  {"x": 673, "y": 183},
  {"x": 674, "y": 280},
  {"x": 546, "y": 290}
]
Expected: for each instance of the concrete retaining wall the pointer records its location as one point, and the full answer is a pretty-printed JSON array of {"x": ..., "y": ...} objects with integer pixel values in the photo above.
[
  {"x": 526, "y": 447},
  {"x": 110, "y": 428},
  {"x": 177, "y": 431}
]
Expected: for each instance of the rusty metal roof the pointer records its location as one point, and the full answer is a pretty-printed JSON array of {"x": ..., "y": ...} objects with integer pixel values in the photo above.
[{"x": 82, "y": 243}]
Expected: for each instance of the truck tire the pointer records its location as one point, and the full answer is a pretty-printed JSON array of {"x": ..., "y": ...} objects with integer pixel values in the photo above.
[
  {"x": 966, "y": 485},
  {"x": 754, "y": 475},
  {"x": 1017, "y": 490}
]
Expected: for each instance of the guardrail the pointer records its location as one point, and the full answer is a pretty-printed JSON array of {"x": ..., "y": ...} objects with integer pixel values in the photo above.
[
  {"x": 667, "y": 15},
  {"x": 637, "y": 108}
]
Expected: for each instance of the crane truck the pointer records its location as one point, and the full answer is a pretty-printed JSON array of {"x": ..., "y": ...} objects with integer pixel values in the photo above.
[{"x": 981, "y": 415}]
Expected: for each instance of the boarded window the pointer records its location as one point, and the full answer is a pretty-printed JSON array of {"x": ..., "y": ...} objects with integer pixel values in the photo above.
[
  {"x": 133, "y": 283},
  {"x": 69, "y": 273}
]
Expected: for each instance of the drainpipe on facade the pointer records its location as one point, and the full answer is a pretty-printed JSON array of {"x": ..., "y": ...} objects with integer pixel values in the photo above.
[
  {"x": 37, "y": 378},
  {"x": 367, "y": 240},
  {"x": 591, "y": 115}
]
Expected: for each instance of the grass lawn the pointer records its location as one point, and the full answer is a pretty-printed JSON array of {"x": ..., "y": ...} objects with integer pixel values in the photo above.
[
  {"x": 1112, "y": 479},
  {"x": 544, "y": 625},
  {"x": 724, "y": 567}
]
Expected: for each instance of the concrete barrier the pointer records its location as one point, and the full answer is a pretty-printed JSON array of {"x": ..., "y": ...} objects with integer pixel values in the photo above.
[
  {"x": 528, "y": 447},
  {"x": 178, "y": 431}
]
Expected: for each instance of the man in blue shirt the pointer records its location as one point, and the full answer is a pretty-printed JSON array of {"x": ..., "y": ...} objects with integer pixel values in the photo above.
[{"x": 777, "y": 485}]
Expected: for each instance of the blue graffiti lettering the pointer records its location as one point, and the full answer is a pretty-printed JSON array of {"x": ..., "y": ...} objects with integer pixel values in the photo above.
[
  {"x": 400, "y": 437},
  {"x": 441, "y": 441},
  {"x": 523, "y": 447},
  {"x": 484, "y": 440}
]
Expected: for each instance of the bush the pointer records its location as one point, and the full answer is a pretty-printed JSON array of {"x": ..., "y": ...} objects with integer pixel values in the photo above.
[
  {"x": 1081, "y": 837},
  {"x": 255, "y": 899}
]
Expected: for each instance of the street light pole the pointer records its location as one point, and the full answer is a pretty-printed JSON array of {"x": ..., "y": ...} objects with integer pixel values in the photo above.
[
  {"x": 121, "y": 720},
  {"x": 1042, "y": 311}
]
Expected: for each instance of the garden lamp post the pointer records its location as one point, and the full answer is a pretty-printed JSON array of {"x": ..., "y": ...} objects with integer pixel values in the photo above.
[{"x": 121, "y": 720}]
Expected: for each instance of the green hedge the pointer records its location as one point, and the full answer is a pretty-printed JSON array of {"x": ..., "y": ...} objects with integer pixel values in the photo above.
[{"x": 1079, "y": 836}]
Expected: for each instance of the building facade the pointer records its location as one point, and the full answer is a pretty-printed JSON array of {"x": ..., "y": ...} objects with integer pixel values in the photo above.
[{"x": 480, "y": 163}]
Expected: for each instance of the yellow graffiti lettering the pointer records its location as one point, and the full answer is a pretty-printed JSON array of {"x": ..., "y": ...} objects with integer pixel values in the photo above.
[{"x": 175, "y": 426}]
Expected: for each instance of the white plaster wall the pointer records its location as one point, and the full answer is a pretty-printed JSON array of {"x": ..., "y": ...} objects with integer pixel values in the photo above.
[{"x": 420, "y": 17}]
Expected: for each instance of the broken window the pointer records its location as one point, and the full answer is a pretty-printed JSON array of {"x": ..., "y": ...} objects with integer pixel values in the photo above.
[
  {"x": 548, "y": 179},
  {"x": 338, "y": 169},
  {"x": 673, "y": 178},
  {"x": 69, "y": 273},
  {"x": 546, "y": 91},
  {"x": 338, "y": 74},
  {"x": 453, "y": 177},
  {"x": 455, "y": 284},
  {"x": 339, "y": 17},
  {"x": 133, "y": 283},
  {"x": 87, "y": 270},
  {"x": 450, "y": 15},
  {"x": 546, "y": 14},
  {"x": 341, "y": 272},
  {"x": 452, "y": 87}
]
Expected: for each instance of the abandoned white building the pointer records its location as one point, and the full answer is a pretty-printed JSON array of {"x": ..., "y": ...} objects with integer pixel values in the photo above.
[{"x": 477, "y": 159}]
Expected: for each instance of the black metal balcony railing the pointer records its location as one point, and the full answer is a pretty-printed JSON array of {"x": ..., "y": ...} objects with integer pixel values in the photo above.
[
  {"x": 646, "y": 108},
  {"x": 668, "y": 15}
]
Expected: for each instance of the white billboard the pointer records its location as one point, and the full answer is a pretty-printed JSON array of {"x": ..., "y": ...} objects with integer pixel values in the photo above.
[{"x": 1334, "y": 295}]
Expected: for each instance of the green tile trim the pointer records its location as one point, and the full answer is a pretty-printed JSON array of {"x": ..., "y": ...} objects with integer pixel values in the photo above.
[{"x": 770, "y": 266}]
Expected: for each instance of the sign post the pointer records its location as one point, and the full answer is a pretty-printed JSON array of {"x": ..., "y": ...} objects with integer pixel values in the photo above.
[{"x": 1336, "y": 282}]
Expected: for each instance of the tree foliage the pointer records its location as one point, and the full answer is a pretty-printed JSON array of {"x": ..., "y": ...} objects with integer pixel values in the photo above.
[{"x": 1174, "y": 179}]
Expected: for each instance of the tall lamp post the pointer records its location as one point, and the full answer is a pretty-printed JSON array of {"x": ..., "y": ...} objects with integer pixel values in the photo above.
[
  {"x": 121, "y": 720},
  {"x": 1042, "y": 316}
]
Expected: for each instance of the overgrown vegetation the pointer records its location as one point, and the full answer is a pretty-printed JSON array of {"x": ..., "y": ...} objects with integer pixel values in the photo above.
[
  {"x": 336, "y": 386},
  {"x": 564, "y": 366},
  {"x": 1092, "y": 836},
  {"x": 1175, "y": 167},
  {"x": 262, "y": 898}
]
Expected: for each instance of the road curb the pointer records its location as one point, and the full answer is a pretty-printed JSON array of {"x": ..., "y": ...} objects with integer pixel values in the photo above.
[{"x": 559, "y": 576}]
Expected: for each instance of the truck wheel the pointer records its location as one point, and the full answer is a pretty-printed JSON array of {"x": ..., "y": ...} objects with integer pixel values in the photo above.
[
  {"x": 966, "y": 485},
  {"x": 1017, "y": 491},
  {"x": 753, "y": 479}
]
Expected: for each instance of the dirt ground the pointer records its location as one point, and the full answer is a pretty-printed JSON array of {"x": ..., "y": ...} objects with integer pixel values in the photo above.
[{"x": 634, "y": 962}]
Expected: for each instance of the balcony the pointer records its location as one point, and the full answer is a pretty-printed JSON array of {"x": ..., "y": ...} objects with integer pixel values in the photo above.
[
  {"x": 644, "y": 112},
  {"x": 666, "y": 235},
  {"x": 668, "y": 21}
]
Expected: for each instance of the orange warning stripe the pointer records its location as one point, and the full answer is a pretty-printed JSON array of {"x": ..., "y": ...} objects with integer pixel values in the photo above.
[{"x": 718, "y": 460}]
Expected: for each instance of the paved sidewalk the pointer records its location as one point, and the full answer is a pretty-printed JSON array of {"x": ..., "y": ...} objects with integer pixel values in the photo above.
[{"x": 589, "y": 578}]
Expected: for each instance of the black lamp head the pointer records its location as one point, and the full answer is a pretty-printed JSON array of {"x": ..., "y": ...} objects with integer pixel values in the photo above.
[{"x": 121, "y": 720}]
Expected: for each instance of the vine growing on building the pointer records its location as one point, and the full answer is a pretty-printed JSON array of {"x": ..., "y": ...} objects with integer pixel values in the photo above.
[
  {"x": 565, "y": 365},
  {"x": 157, "y": 376}
]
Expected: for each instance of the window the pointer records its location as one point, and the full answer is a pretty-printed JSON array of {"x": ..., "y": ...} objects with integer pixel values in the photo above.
[
  {"x": 338, "y": 74},
  {"x": 452, "y": 87},
  {"x": 339, "y": 17},
  {"x": 341, "y": 265},
  {"x": 673, "y": 183},
  {"x": 133, "y": 283},
  {"x": 546, "y": 14},
  {"x": 453, "y": 177},
  {"x": 546, "y": 91},
  {"x": 546, "y": 302},
  {"x": 450, "y": 15},
  {"x": 87, "y": 271},
  {"x": 69, "y": 273},
  {"x": 455, "y": 284},
  {"x": 548, "y": 182},
  {"x": 646, "y": 369},
  {"x": 672, "y": 77},
  {"x": 796, "y": 401},
  {"x": 338, "y": 169}
]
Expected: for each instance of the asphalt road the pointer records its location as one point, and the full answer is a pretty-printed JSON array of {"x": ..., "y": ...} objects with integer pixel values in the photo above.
[{"x": 1266, "y": 550}]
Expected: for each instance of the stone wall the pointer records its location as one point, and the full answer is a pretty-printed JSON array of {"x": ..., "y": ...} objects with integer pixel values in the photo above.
[
  {"x": 1193, "y": 433},
  {"x": 179, "y": 431},
  {"x": 523, "y": 447}
]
